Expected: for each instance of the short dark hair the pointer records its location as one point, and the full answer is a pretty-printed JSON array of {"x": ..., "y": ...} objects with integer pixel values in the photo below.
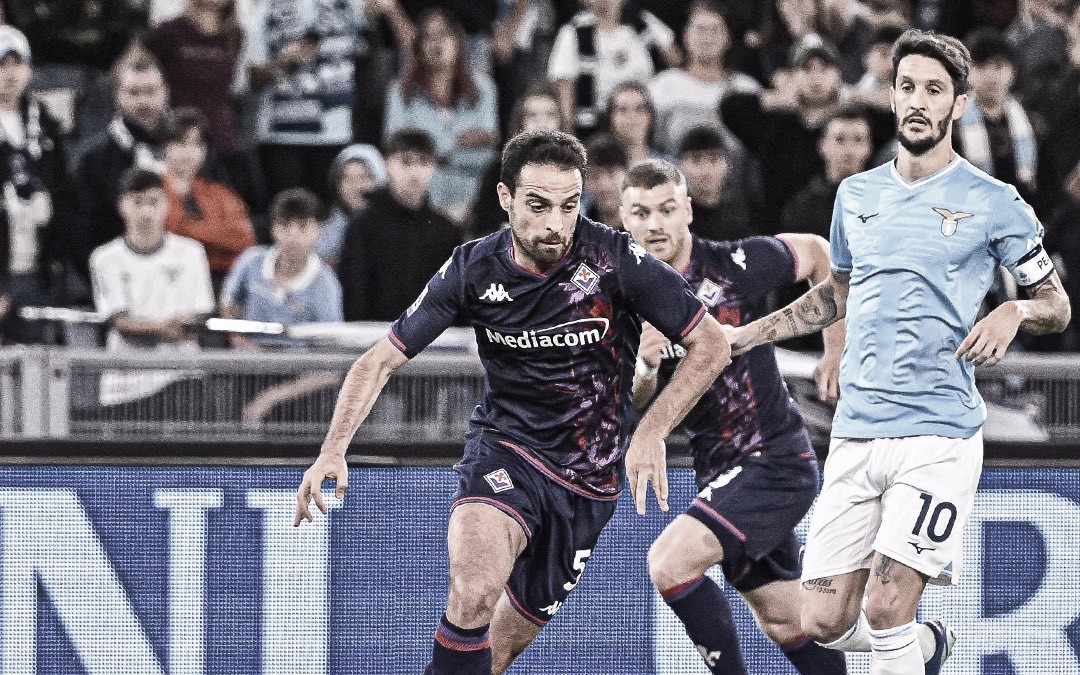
[
  {"x": 853, "y": 112},
  {"x": 700, "y": 138},
  {"x": 137, "y": 179},
  {"x": 605, "y": 150},
  {"x": 134, "y": 59},
  {"x": 294, "y": 204},
  {"x": 987, "y": 43},
  {"x": 651, "y": 173},
  {"x": 545, "y": 148},
  {"x": 180, "y": 121},
  {"x": 410, "y": 139},
  {"x": 945, "y": 49}
]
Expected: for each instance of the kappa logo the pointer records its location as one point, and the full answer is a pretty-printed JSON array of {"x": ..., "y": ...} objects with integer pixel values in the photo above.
[
  {"x": 496, "y": 293},
  {"x": 739, "y": 257},
  {"x": 949, "y": 219},
  {"x": 416, "y": 303},
  {"x": 552, "y": 608},
  {"x": 920, "y": 549},
  {"x": 637, "y": 251},
  {"x": 709, "y": 292},
  {"x": 719, "y": 482},
  {"x": 499, "y": 480},
  {"x": 585, "y": 278},
  {"x": 711, "y": 658}
]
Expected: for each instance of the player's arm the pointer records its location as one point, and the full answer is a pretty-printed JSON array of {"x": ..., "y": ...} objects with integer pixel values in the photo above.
[
  {"x": 648, "y": 364},
  {"x": 820, "y": 307},
  {"x": 1046, "y": 311},
  {"x": 362, "y": 386},
  {"x": 812, "y": 265},
  {"x": 707, "y": 353}
]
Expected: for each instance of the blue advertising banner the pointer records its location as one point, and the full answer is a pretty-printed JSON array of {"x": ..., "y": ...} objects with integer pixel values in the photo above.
[{"x": 198, "y": 570}]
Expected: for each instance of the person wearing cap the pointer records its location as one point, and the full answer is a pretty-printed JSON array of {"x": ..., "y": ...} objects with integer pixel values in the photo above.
[
  {"x": 35, "y": 218},
  {"x": 723, "y": 184},
  {"x": 394, "y": 245},
  {"x": 780, "y": 126},
  {"x": 355, "y": 172}
]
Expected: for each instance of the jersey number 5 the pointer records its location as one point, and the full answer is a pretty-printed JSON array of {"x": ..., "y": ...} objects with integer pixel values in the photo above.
[
  {"x": 580, "y": 558},
  {"x": 936, "y": 531}
]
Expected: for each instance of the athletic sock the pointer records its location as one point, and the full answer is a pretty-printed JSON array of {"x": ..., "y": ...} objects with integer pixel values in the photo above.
[
  {"x": 460, "y": 651},
  {"x": 810, "y": 658},
  {"x": 857, "y": 639},
  {"x": 896, "y": 651},
  {"x": 701, "y": 606}
]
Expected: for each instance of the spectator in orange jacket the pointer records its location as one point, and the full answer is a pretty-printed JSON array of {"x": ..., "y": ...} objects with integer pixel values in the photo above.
[{"x": 203, "y": 210}]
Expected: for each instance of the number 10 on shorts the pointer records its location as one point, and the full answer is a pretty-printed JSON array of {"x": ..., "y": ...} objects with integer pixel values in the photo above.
[{"x": 940, "y": 523}]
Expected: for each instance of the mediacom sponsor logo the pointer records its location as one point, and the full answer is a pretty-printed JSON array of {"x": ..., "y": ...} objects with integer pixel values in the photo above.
[{"x": 571, "y": 334}]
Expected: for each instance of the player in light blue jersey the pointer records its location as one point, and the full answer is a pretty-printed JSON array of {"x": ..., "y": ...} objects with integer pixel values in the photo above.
[{"x": 914, "y": 246}]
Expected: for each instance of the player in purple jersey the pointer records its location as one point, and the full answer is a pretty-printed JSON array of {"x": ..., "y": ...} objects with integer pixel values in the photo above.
[
  {"x": 753, "y": 461},
  {"x": 554, "y": 301}
]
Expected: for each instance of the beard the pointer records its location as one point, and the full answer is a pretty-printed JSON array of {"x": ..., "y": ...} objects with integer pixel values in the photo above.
[
  {"x": 921, "y": 146},
  {"x": 541, "y": 252}
]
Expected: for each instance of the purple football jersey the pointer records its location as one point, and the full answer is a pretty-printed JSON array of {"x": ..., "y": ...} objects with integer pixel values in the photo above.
[
  {"x": 748, "y": 408},
  {"x": 558, "y": 348}
]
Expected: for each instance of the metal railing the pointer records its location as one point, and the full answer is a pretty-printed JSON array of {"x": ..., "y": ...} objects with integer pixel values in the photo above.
[{"x": 223, "y": 396}]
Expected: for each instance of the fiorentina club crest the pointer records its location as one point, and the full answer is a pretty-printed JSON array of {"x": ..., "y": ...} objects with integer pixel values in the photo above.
[
  {"x": 499, "y": 480},
  {"x": 709, "y": 293},
  {"x": 585, "y": 278}
]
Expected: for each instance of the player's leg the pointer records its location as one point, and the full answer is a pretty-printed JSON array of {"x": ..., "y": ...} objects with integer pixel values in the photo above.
[
  {"x": 924, "y": 512},
  {"x": 511, "y": 633},
  {"x": 483, "y": 542},
  {"x": 678, "y": 560}
]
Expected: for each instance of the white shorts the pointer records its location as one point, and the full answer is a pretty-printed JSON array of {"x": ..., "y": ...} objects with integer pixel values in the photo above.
[{"x": 907, "y": 498}]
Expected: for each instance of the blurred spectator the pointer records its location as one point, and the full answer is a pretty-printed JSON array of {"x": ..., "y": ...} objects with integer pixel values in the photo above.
[
  {"x": 35, "y": 218},
  {"x": 994, "y": 132},
  {"x": 520, "y": 46},
  {"x": 780, "y": 126},
  {"x": 596, "y": 50},
  {"x": 845, "y": 147},
  {"x": 725, "y": 201},
  {"x": 356, "y": 172},
  {"x": 608, "y": 162},
  {"x": 153, "y": 285},
  {"x": 198, "y": 52},
  {"x": 477, "y": 20},
  {"x": 872, "y": 90},
  {"x": 1037, "y": 36},
  {"x": 536, "y": 110},
  {"x": 457, "y": 107},
  {"x": 132, "y": 139},
  {"x": 301, "y": 57},
  {"x": 690, "y": 96},
  {"x": 284, "y": 282},
  {"x": 203, "y": 210},
  {"x": 631, "y": 119},
  {"x": 395, "y": 245}
]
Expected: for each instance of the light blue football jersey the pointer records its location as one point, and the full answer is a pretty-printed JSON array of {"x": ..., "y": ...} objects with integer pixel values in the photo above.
[{"x": 921, "y": 256}]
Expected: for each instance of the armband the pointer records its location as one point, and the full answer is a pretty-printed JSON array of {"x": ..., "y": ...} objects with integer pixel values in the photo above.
[
  {"x": 644, "y": 370},
  {"x": 1033, "y": 268}
]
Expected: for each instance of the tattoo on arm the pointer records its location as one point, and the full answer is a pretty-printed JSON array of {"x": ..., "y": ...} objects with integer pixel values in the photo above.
[
  {"x": 790, "y": 316},
  {"x": 1048, "y": 310},
  {"x": 821, "y": 313}
]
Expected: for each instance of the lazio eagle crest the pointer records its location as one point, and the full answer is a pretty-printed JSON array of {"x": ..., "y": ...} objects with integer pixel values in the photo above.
[{"x": 949, "y": 219}]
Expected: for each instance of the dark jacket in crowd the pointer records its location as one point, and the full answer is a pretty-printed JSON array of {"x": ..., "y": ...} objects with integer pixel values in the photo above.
[{"x": 388, "y": 256}]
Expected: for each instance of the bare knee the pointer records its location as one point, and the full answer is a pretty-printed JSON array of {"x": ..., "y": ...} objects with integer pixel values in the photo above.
[
  {"x": 893, "y": 593},
  {"x": 780, "y": 624},
  {"x": 830, "y": 607},
  {"x": 824, "y": 627},
  {"x": 670, "y": 567}
]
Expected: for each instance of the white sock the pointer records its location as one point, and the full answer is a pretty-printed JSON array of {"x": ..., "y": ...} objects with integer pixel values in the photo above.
[
  {"x": 857, "y": 639},
  {"x": 926, "y": 639},
  {"x": 896, "y": 651}
]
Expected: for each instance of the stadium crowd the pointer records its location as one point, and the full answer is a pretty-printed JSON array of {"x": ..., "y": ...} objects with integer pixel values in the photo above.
[{"x": 327, "y": 155}]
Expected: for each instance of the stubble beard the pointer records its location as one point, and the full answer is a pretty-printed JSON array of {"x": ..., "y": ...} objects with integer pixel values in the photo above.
[{"x": 920, "y": 146}]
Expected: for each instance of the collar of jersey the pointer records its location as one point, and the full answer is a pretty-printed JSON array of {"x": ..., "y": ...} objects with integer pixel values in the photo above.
[
  {"x": 915, "y": 185},
  {"x": 305, "y": 279}
]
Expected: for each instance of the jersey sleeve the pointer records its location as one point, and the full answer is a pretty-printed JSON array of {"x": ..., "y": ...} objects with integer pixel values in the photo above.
[
  {"x": 1016, "y": 241},
  {"x": 234, "y": 290},
  {"x": 762, "y": 265},
  {"x": 839, "y": 253},
  {"x": 433, "y": 311},
  {"x": 657, "y": 293}
]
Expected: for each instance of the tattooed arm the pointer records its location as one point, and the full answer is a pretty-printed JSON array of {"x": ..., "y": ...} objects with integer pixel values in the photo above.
[
  {"x": 818, "y": 308},
  {"x": 1047, "y": 311}
]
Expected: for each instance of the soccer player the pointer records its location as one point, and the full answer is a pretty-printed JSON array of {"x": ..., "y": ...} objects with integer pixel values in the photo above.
[
  {"x": 753, "y": 461},
  {"x": 554, "y": 301},
  {"x": 914, "y": 246}
]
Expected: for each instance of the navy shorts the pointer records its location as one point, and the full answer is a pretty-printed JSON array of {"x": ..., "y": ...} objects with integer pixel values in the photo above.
[
  {"x": 753, "y": 510},
  {"x": 561, "y": 523}
]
